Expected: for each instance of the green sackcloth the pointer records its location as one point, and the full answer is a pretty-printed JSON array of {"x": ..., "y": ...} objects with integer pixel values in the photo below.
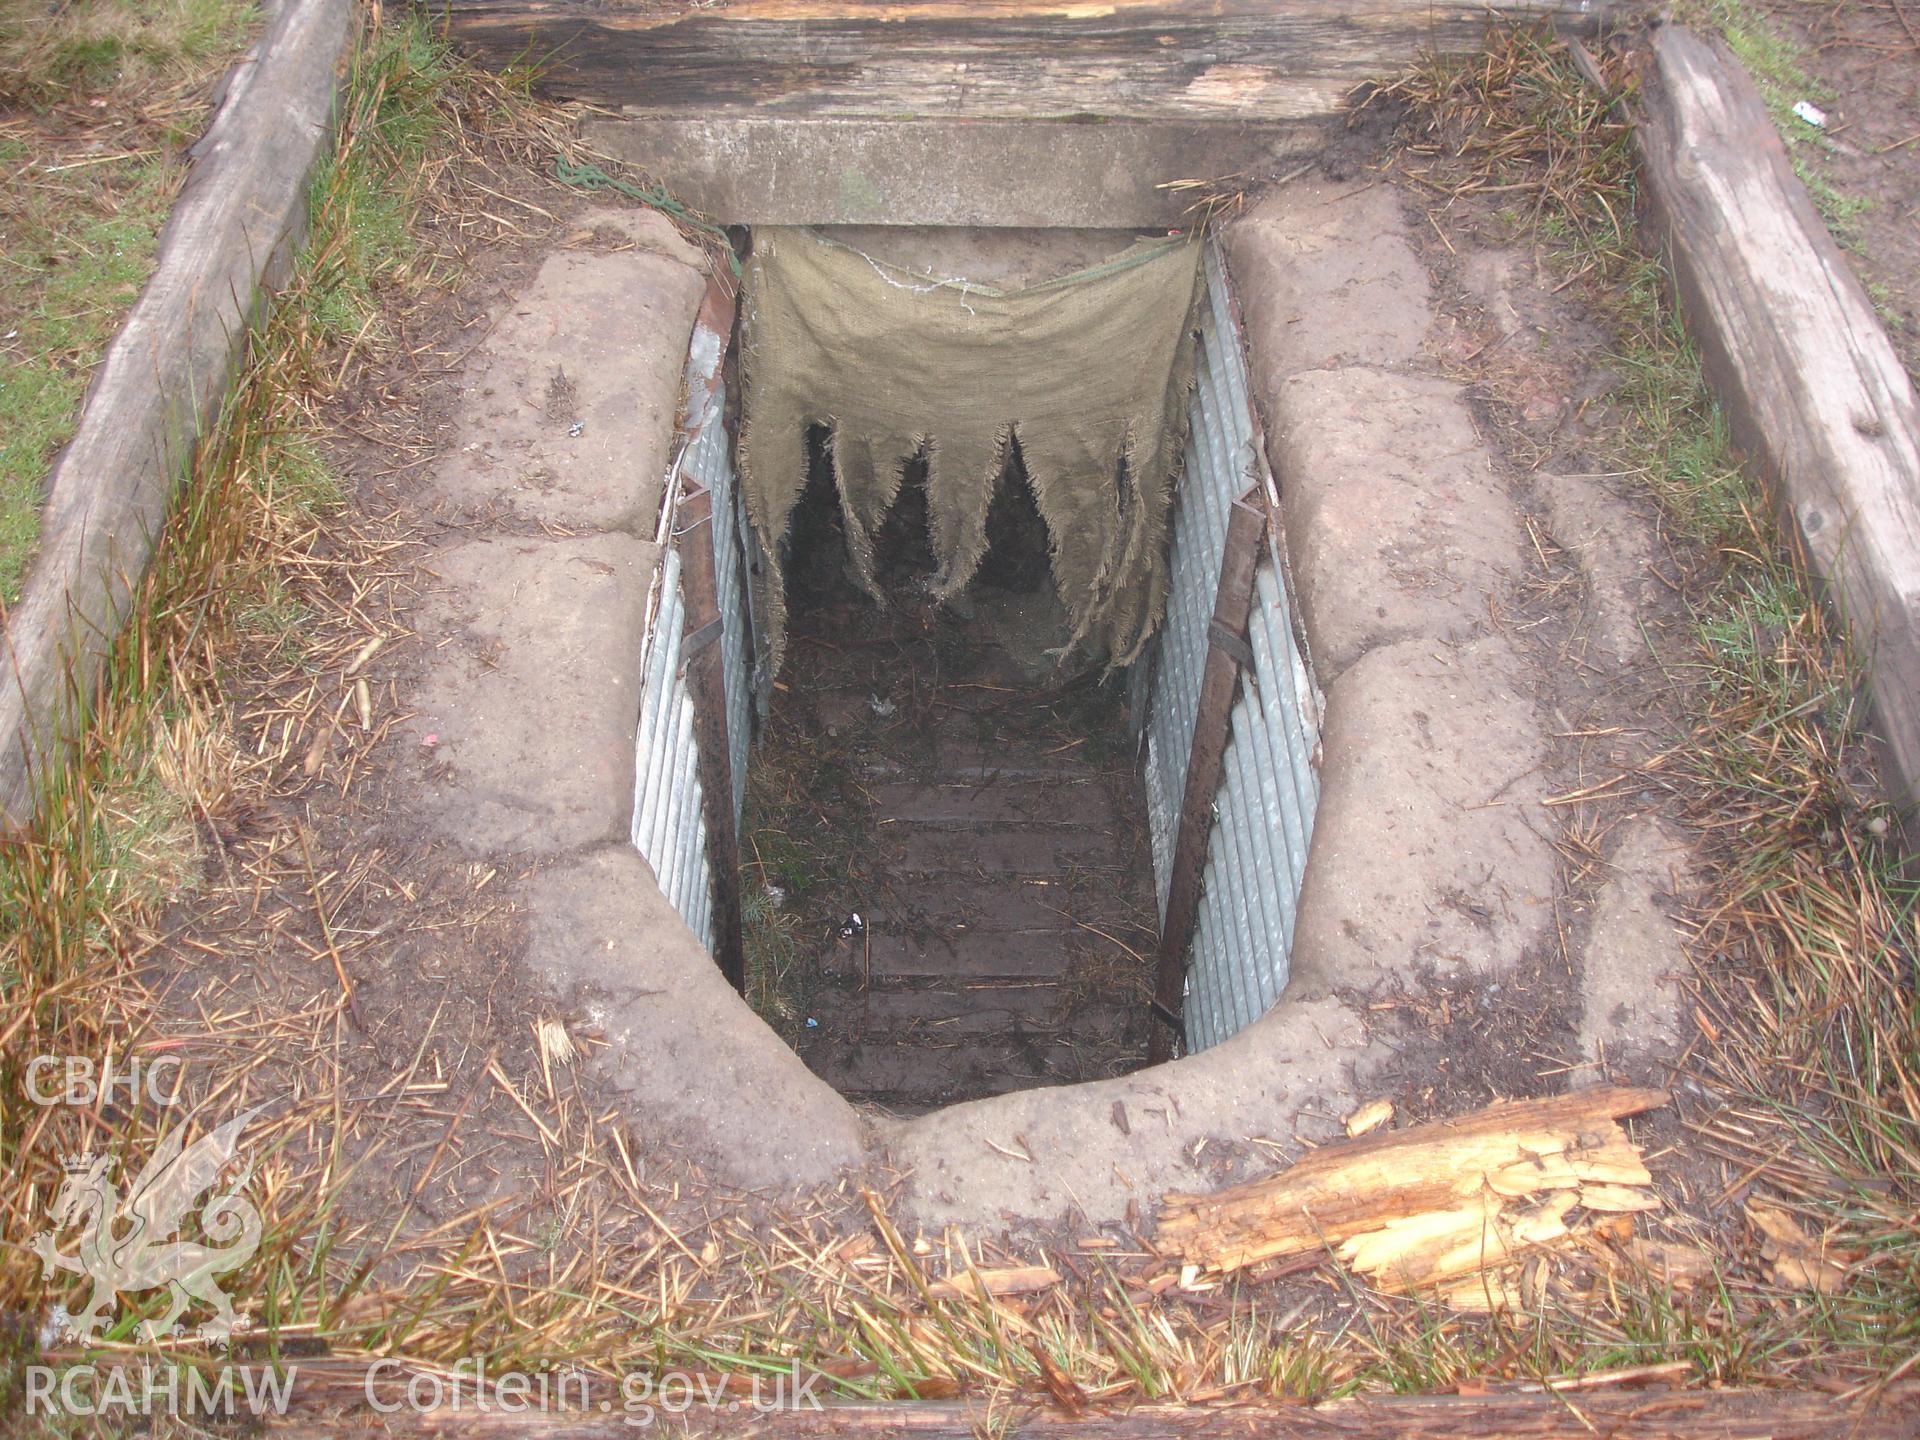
[{"x": 1091, "y": 372}]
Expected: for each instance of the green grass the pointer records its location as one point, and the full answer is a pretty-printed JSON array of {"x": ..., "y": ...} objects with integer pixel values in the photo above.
[
  {"x": 1778, "y": 68},
  {"x": 414, "y": 71},
  {"x": 85, "y": 49},
  {"x": 99, "y": 100},
  {"x": 117, "y": 831}
]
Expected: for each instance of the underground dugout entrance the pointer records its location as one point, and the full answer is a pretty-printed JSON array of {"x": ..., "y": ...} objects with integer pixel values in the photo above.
[
  {"x": 947, "y": 845},
  {"x": 946, "y": 884}
]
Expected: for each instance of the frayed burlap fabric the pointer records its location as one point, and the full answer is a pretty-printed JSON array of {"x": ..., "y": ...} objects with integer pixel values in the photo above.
[{"x": 1090, "y": 372}]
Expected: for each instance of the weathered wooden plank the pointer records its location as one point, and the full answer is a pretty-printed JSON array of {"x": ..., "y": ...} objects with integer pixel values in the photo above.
[
  {"x": 231, "y": 238},
  {"x": 1592, "y": 1412},
  {"x": 998, "y": 802},
  {"x": 1241, "y": 59},
  {"x": 944, "y": 905},
  {"x": 984, "y": 1008},
  {"x": 1246, "y": 523},
  {"x": 996, "y": 852},
  {"x": 1813, "y": 390},
  {"x": 979, "y": 955}
]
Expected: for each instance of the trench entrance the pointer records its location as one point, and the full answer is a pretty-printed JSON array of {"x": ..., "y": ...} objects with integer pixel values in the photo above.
[
  {"x": 949, "y": 888},
  {"x": 977, "y": 741}
]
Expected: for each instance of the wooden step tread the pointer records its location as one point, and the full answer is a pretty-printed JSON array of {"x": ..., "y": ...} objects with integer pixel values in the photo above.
[
  {"x": 1019, "y": 954},
  {"x": 1082, "y": 803},
  {"x": 955, "y": 905},
  {"x": 925, "y": 851}
]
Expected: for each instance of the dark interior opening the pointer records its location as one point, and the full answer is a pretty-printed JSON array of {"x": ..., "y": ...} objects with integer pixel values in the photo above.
[{"x": 948, "y": 885}]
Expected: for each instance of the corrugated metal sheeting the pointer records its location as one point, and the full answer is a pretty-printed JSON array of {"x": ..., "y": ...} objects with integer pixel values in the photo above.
[
  {"x": 709, "y": 462},
  {"x": 1263, "y": 811},
  {"x": 668, "y": 827},
  {"x": 668, "y": 824}
]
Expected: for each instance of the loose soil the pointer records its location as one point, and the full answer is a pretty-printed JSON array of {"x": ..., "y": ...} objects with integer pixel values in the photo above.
[
  {"x": 958, "y": 829},
  {"x": 314, "y": 879}
]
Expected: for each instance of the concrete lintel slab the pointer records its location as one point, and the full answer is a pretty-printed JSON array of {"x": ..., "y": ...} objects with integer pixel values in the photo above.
[{"x": 860, "y": 170}]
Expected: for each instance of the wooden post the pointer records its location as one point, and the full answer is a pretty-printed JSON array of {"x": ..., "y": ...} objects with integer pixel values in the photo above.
[
  {"x": 704, "y": 660},
  {"x": 1814, "y": 393},
  {"x": 1246, "y": 523}
]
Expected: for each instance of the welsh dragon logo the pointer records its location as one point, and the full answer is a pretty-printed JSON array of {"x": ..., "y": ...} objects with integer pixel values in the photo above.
[{"x": 133, "y": 1244}]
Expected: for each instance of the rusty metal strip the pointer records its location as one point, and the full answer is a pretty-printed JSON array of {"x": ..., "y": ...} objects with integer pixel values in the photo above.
[{"x": 1246, "y": 525}]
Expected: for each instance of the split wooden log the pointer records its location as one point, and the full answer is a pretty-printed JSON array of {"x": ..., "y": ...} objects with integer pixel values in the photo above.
[
  {"x": 1431, "y": 1205},
  {"x": 1814, "y": 392}
]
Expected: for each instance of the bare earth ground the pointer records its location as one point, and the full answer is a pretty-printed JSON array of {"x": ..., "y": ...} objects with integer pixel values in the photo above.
[
  {"x": 1867, "y": 54},
  {"x": 1533, "y": 363},
  {"x": 344, "y": 965}
]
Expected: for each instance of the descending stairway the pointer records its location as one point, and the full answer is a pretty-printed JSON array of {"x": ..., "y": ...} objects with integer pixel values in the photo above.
[{"x": 1003, "y": 893}]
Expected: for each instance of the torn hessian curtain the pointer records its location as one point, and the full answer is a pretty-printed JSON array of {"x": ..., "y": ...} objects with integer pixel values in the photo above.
[{"x": 1091, "y": 372}]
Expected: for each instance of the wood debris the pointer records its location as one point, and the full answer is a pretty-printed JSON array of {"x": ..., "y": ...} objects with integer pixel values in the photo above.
[
  {"x": 1370, "y": 1116},
  {"x": 1438, "y": 1206},
  {"x": 1012, "y": 1280},
  {"x": 1794, "y": 1258},
  {"x": 1675, "y": 1265}
]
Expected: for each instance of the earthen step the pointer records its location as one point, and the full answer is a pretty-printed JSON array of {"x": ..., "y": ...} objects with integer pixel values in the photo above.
[
  {"x": 958, "y": 761},
  {"x": 950, "y": 906},
  {"x": 1011, "y": 954},
  {"x": 985, "y": 747},
  {"x": 916, "y": 1016},
  {"x": 841, "y": 710},
  {"x": 930, "y": 850},
  {"x": 964, "y": 712},
  {"x": 922, "y": 1075},
  {"x": 1084, "y": 802}
]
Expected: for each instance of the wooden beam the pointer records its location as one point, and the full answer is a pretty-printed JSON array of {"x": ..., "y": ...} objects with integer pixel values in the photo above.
[
  {"x": 1813, "y": 390},
  {"x": 1219, "y": 679},
  {"x": 1579, "y": 1413},
  {"x": 1210, "y": 59},
  {"x": 775, "y": 169}
]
